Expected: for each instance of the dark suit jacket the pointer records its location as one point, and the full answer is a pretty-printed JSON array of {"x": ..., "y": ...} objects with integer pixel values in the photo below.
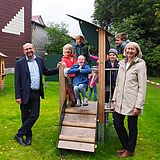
[{"x": 23, "y": 81}]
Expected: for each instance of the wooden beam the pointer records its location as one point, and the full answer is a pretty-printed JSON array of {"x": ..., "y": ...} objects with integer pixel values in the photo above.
[
  {"x": 88, "y": 147},
  {"x": 91, "y": 109},
  {"x": 80, "y": 120},
  {"x": 62, "y": 86},
  {"x": 101, "y": 85}
]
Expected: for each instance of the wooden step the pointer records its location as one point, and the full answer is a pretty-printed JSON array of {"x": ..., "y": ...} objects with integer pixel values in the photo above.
[
  {"x": 77, "y": 130},
  {"x": 88, "y": 147},
  {"x": 79, "y": 120},
  {"x": 78, "y": 134},
  {"x": 91, "y": 109}
]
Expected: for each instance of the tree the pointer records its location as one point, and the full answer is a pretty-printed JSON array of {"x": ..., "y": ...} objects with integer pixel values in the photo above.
[
  {"x": 58, "y": 37},
  {"x": 140, "y": 19}
]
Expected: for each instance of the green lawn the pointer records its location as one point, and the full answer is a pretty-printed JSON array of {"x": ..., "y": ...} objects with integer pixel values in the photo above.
[{"x": 46, "y": 128}]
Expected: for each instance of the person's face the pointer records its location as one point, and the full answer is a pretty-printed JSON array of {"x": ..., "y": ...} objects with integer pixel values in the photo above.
[
  {"x": 81, "y": 60},
  {"x": 79, "y": 40},
  {"x": 28, "y": 50},
  {"x": 67, "y": 51},
  {"x": 112, "y": 57},
  {"x": 118, "y": 41},
  {"x": 131, "y": 51}
]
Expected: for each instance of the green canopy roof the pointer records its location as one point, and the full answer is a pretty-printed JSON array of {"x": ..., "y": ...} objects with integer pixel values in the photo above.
[{"x": 90, "y": 32}]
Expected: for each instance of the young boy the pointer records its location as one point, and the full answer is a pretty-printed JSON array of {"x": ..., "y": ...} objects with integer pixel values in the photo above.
[
  {"x": 80, "y": 48},
  {"x": 120, "y": 42},
  {"x": 80, "y": 81},
  {"x": 68, "y": 60},
  {"x": 110, "y": 77}
]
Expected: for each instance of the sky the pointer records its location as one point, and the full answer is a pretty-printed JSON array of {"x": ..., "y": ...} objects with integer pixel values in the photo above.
[{"x": 56, "y": 10}]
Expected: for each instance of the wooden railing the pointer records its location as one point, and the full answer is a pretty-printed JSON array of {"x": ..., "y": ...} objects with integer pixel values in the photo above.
[{"x": 62, "y": 83}]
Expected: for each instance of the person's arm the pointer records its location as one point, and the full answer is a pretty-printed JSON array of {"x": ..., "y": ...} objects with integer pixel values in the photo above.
[
  {"x": 17, "y": 83},
  {"x": 86, "y": 69},
  {"x": 73, "y": 69},
  {"x": 95, "y": 58},
  {"x": 142, "y": 82},
  {"x": 47, "y": 71}
]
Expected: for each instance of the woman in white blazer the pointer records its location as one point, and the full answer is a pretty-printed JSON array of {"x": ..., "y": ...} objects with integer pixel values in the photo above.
[{"x": 129, "y": 96}]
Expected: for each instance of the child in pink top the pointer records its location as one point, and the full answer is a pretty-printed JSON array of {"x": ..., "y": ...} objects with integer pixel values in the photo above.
[{"x": 93, "y": 77}]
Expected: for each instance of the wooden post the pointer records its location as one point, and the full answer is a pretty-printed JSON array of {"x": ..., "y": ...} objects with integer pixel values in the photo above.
[
  {"x": 62, "y": 86},
  {"x": 2, "y": 70},
  {"x": 101, "y": 103}
]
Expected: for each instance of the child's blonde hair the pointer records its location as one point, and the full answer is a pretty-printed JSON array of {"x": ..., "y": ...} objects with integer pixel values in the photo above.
[{"x": 67, "y": 46}]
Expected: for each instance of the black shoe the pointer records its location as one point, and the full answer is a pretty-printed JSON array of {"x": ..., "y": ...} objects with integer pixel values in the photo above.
[
  {"x": 28, "y": 140},
  {"x": 20, "y": 140}
]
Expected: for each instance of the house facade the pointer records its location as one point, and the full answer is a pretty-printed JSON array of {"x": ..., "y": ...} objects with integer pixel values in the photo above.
[
  {"x": 15, "y": 28},
  {"x": 39, "y": 35}
]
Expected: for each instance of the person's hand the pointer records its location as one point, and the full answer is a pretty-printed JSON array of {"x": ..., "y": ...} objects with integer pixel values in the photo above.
[
  {"x": 91, "y": 85},
  {"x": 58, "y": 65},
  {"x": 19, "y": 100},
  {"x": 80, "y": 67},
  {"x": 136, "y": 111}
]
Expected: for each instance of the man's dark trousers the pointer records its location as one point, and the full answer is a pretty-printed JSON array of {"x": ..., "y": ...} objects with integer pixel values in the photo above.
[{"x": 29, "y": 113}]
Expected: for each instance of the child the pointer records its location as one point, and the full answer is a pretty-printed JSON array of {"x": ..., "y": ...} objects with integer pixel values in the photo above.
[
  {"x": 93, "y": 83},
  {"x": 125, "y": 37},
  {"x": 80, "y": 81},
  {"x": 120, "y": 42},
  {"x": 80, "y": 48},
  {"x": 110, "y": 77},
  {"x": 68, "y": 60}
]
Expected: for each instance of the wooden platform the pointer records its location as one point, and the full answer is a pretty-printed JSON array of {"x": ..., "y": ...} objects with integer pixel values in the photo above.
[{"x": 78, "y": 130}]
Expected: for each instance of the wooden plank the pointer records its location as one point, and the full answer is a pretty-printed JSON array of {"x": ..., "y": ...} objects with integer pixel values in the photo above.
[
  {"x": 91, "y": 109},
  {"x": 80, "y": 120},
  {"x": 101, "y": 86},
  {"x": 76, "y": 139},
  {"x": 77, "y": 134},
  {"x": 62, "y": 86},
  {"x": 101, "y": 74},
  {"x": 76, "y": 146}
]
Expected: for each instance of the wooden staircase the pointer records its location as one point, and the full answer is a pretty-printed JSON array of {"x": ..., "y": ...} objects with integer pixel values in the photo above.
[{"x": 77, "y": 130}]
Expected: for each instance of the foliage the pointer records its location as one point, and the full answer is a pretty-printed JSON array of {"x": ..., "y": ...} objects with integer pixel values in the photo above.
[
  {"x": 140, "y": 19},
  {"x": 58, "y": 37},
  {"x": 45, "y": 131}
]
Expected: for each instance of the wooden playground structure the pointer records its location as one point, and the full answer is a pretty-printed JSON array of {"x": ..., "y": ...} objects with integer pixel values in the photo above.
[{"x": 81, "y": 127}]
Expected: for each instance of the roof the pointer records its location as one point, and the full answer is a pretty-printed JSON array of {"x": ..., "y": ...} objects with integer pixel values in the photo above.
[
  {"x": 38, "y": 19},
  {"x": 90, "y": 32},
  {"x": 3, "y": 55}
]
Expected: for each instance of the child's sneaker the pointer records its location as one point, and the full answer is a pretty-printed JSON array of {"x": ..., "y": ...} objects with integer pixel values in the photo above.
[
  {"x": 85, "y": 101},
  {"x": 78, "y": 104}
]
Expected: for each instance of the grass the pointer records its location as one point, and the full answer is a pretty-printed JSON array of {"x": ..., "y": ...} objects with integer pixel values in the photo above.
[{"x": 46, "y": 129}]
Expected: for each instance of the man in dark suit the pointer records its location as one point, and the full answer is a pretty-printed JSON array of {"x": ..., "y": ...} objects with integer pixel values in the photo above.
[{"x": 29, "y": 89}]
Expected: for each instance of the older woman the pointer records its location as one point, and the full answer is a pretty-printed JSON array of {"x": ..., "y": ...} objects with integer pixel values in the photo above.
[{"x": 129, "y": 96}]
